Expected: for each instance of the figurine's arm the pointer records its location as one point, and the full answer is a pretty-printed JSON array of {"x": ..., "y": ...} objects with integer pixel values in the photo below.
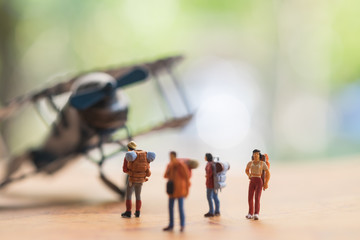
[
  {"x": 209, "y": 171},
  {"x": 267, "y": 178},
  {"x": 148, "y": 172},
  {"x": 247, "y": 170},
  {"x": 125, "y": 168}
]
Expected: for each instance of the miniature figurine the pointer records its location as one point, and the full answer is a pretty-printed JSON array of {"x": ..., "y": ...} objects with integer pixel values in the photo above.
[
  {"x": 254, "y": 171},
  {"x": 215, "y": 181},
  {"x": 137, "y": 166},
  {"x": 178, "y": 172},
  {"x": 210, "y": 192}
]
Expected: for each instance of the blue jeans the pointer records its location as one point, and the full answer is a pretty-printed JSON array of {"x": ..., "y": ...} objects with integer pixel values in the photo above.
[
  {"x": 211, "y": 194},
  {"x": 181, "y": 211}
]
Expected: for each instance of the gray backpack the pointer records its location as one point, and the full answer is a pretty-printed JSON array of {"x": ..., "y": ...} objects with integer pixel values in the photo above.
[{"x": 220, "y": 169}]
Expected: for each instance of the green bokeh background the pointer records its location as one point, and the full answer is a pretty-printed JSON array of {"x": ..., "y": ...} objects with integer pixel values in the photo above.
[{"x": 315, "y": 44}]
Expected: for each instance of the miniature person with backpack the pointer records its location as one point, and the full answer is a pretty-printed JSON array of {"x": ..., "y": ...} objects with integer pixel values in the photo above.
[
  {"x": 254, "y": 170},
  {"x": 137, "y": 166},
  {"x": 211, "y": 194},
  {"x": 215, "y": 181},
  {"x": 178, "y": 173}
]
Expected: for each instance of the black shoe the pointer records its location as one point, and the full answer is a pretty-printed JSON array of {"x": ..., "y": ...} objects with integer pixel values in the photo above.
[
  {"x": 217, "y": 214},
  {"x": 137, "y": 214},
  {"x": 208, "y": 214},
  {"x": 126, "y": 214},
  {"x": 168, "y": 228},
  {"x": 182, "y": 229}
]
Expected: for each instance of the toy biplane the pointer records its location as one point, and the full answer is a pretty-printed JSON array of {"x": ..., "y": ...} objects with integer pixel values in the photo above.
[{"x": 95, "y": 110}]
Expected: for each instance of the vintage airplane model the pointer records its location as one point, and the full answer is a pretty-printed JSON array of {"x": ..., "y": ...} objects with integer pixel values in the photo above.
[{"x": 95, "y": 110}]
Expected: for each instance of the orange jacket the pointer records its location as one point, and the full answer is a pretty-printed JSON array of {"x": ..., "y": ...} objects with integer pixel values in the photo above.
[
  {"x": 178, "y": 172},
  {"x": 125, "y": 168}
]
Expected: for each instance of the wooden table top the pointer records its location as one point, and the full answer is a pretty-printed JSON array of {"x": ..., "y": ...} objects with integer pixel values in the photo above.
[{"x": 304, "y": 201}]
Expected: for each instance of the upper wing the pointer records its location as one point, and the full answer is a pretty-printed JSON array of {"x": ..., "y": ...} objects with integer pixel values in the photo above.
[{"x": 154, "y": 67}]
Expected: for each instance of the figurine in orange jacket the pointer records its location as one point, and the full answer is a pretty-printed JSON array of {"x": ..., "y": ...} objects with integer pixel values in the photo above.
[{"x": 178, "y": 174}]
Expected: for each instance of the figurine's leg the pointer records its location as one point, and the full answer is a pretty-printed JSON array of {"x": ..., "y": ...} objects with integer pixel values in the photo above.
[
  {"x": 258, "y": 191},
  {"x": 171, "y": 215},
  {"x": 209, "y": 195},
  {"x": 138, "y": 187},
  {"x": 129, "y": 191},
  {"x": 217, "y": 202},
  {"x": 181, "y": 212},
  {"x": 251, "y": 196},
  {"x": 171, "y": 212}
]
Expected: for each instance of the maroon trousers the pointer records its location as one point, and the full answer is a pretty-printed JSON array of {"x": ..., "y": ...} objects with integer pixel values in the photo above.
[{"x": 255, "y": 186}]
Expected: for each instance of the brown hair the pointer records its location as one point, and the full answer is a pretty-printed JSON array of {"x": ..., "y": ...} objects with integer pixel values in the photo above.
[
  {"x": 209, "y": 157},
  {"x": 255, "y": 151}
]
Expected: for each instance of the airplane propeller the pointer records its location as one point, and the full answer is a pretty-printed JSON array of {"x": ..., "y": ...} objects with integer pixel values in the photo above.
[{"x": 89, "y": 98}]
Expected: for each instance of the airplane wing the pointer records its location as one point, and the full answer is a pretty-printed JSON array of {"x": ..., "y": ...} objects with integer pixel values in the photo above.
[
  {"x": 18, "y": 103},
  {"x": 171, "y": 123}
]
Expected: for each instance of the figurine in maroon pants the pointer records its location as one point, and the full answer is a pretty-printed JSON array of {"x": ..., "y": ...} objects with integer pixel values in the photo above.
[{"x": 254, "y": 171}]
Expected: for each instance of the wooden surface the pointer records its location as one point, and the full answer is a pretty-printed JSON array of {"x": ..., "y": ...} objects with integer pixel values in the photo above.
[{"x": 304, "y": 201}]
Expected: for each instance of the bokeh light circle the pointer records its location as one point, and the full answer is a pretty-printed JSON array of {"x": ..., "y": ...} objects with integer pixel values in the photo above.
[{"x": 222, "y": 121}]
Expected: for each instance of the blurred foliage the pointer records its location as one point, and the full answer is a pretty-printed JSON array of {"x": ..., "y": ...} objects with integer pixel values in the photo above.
[
  {"x": 315, "y": 41},
  {"x": 57, "y": 36}
]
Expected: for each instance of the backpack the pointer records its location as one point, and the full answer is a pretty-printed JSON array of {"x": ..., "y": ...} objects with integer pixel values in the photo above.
[
  {"x": 190, "y": 163},
  {"x": 264, "y": 158},
  {"x": 220, "y": 169},
  {"x": 138, "y": 165}
]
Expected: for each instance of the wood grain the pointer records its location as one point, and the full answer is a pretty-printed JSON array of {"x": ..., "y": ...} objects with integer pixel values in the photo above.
[{"x": 304, "y": 201}]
